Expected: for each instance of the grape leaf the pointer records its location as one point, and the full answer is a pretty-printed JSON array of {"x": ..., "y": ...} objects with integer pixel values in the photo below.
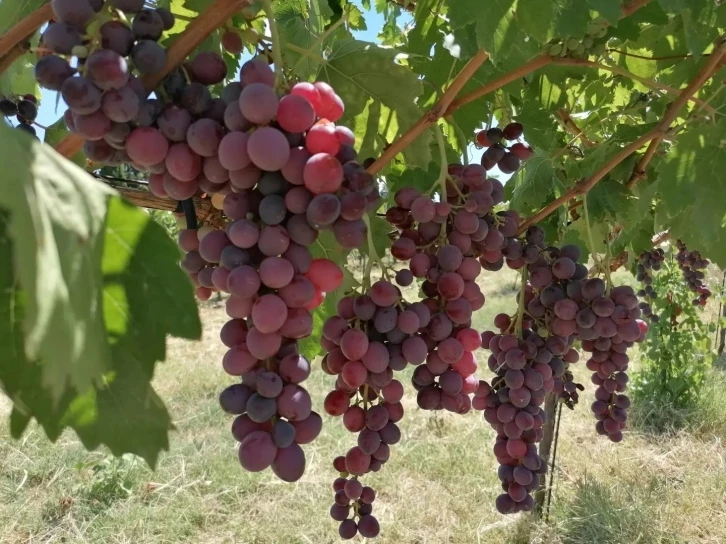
[
  {"x": 380, "y": 97},
  {"x": 535, "y": 183},
  {"x": 57, "y": 132},
  {"x": 12, "y": 11},
  {"x": 145, "y": 296},
  {"x": 608, "y": 9},
  {"x": 534, "y": 16},
  {"x": 58, "y": 216},
  {"x": 690, "y": 182},
  {"x": 571, "y": 18}
]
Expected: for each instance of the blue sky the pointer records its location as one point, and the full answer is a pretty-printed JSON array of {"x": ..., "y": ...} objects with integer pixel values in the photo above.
[{"x": 49, "y": 111}]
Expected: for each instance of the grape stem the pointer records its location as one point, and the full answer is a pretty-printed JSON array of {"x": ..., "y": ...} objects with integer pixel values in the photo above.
[
  {"x": 590, "y": 240},
  {"x": 276, "y": 44},
  {"x": 607, "y": 263},
  {"x": 520, "y": 310},
  {"x": 372, "y": 253},
  {"x": 444, "y": 166}
]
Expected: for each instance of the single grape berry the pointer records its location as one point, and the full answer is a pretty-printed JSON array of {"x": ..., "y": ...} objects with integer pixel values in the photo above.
[
  {"x": 521, "y": 151},
  {"x": 8, "y": 107},
  {"x": 494, "y": 135},
  {"x": 513, "y": 131}
]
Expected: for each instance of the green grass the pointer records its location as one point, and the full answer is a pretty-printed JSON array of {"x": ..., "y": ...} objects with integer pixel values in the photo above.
[{"x": 438, "y": 487}]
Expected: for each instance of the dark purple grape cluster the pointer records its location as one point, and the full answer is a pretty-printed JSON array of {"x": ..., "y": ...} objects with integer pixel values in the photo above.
[
  {"x": 446, "y": 244},
  {"x": 106, "y": 100},
  {"x": 692, "y": 264},
  {"x": 608, "y": 325},
  {"x": 508, "y": 158},
  {"x": 274, "y": 411},
  {"x": 372, "y": 336},
  {"x": 23, "y": 108},
  {"x": 524, "y": 368},
  {"x": 552, "y": 274},
  {"x": 648, "y": 261},
  {"x": 262, "y": 260},
  {"x": 270, "y": 305},
  {"x": 353, "y": 505}
]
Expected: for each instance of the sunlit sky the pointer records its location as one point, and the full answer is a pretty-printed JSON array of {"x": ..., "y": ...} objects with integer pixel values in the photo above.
[{"x": 51, "y": 108}]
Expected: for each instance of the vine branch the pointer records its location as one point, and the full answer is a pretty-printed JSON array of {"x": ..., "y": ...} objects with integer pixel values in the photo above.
[
  {"x": 569, "y": 124},
  {"x": 584, "y": 186},
  {"x": 651, "y": 137},
  {"x": 704, "y": 74},
  {"x": 433, "y": 115},
  {"x": 24, "y": 29},
  {"x": 626, "y": 73}
]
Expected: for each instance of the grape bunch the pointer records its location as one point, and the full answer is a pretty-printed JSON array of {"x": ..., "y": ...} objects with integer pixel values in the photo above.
[
  {"x": 371, "y": 336},
  {"x": 274, "y": 283},
  {"x": 550, "y": 312},
  {"x": 446, "y": 244},
  {"x": 284, "y": 184},
  {"x": 24, "y": 109},
  {"x": 649, "y": 261},
  {"x": 608, "y": 325},
  {"x": 106, "y": 100},
  {"x": 593, "y": 44},
  {"x": 524, "y": 365},
  {"x": 692, "y": 264},
  {"x": 509, "y": 159}
]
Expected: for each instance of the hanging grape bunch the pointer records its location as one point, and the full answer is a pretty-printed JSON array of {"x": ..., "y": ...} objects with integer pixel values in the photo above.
[
  {"x": 446, "y": 244},
  {"x": 372, "y": 336},
  {"x": 553, "y": 273},
  {"x": 649, "y": 261},
  {"x": 106, "y": 100},
  {"x": 581, "y": 47},
  {"x": 692, "y": 264},
  {"x": 24, "y": 109},
  {"x": 508, "y": 159},
  {"x": 608, "y": 326}
]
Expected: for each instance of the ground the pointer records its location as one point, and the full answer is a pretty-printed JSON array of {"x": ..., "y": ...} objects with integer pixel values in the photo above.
[{"x": 438, "y": 487}]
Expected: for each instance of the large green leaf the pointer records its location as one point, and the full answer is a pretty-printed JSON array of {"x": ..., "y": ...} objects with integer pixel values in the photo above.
[
  {"x": 56, "y": 224},
  {"x": 145, "y": 297},
  {"x": 535, "y": 184},
  {"x": 59, "y": 217},
  {"x": 692, "y": 185},
  {"x": 379, "y": 95}
]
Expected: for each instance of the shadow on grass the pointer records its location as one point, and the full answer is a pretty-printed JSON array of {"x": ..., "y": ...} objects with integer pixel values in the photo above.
[{"x": 595, "y": 515}]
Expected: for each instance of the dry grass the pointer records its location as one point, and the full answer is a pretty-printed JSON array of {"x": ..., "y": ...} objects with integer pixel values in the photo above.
[{"x": 438, "y": 487}]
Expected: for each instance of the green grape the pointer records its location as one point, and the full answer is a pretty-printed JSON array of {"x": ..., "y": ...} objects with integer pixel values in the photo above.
[
  {"x": 587, "y": 42},
  {"x": 572, "y": 43},
  {"x": 80, "y": 51},
  {"x": 555, "y": 49},
  {"x": 602, "y": 33},
  {"x": 598, "y": 49},
  {"x": 250, "y": 35},
  {"x": 593, "y": 28},
  {"x": 580, "y": 49}
]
